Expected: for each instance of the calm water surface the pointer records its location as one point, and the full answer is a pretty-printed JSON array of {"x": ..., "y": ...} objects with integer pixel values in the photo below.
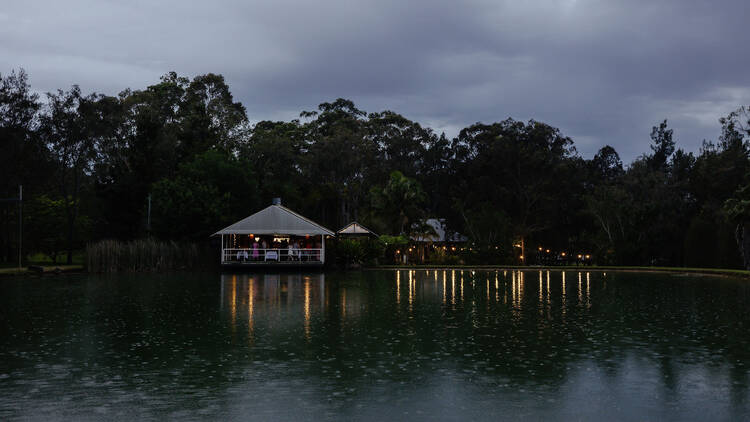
[{"x": 380, "y": 345}]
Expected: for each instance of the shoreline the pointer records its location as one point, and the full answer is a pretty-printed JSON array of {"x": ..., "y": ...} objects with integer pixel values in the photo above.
[
  {"x": 79, "y": 269},
  {"x": 42, "y": 270},
  {"x": 591, "y": 268}
]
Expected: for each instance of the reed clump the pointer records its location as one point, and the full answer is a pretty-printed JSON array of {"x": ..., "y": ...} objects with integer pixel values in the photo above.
[{"x": 144, "y": 255}]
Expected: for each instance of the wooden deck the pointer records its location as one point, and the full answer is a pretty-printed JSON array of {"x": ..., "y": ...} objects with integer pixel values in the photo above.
[{"x": 271, "y": 264}]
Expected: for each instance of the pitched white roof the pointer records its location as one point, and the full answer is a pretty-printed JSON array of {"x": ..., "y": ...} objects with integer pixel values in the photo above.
[
  {"x": 355, "y": 228},
  {"x": 438, "y": 225},
  {"x": 276, "y": 219}
]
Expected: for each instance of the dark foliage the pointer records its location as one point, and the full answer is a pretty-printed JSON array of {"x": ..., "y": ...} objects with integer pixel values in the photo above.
[{"x": 89, "y": 163}]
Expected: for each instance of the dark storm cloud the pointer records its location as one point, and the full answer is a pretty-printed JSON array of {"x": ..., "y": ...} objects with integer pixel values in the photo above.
[{"x": 602, "y": 71}]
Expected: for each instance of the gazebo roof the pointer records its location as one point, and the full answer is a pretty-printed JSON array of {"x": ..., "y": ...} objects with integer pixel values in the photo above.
[
  {"x": 276, "y": 219},
  {"x": 355, "y": 228}
]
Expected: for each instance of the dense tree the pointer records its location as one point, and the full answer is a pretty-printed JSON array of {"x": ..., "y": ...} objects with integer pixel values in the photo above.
[
  {"x": 68, "y": 126},
  {"x": 274, "y": 149},
  {"x": 521, "y": 166},
  {"x": 734, "y": 144},
  {"x": 339, "y": 159},
  {"x": 662, "y": 145},
  {"x": 212, "y": 190},
  {"x": 606, "y": 165},
  {"x": 89, "y": 163},
  {"x": 399, "y": 203},
  {"x": 24, "y": 159}
]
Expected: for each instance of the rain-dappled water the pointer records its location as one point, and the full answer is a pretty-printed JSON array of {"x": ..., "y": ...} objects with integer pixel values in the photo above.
[{"x": 376, "y": 345}]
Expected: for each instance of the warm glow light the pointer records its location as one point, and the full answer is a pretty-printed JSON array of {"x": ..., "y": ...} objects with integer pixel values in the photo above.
[
  {"x": 398, "y": 287},
  {"x": 521, "y": 256},
  {"x": 307, "y": 308},
  {"x": 588, "y": 256},
  {"x": 563, "y": 254},
  {"x": 579, "y": 256},
  {"x": 547, "y": 250},
  {"x": 540, "y": 248}
]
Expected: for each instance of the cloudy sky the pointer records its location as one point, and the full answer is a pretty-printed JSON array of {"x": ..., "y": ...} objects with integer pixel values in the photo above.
[{"x": 604, "y": 72}]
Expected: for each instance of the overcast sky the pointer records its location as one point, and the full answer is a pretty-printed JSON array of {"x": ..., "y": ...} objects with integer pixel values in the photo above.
[{"x": 604, "y": 72}]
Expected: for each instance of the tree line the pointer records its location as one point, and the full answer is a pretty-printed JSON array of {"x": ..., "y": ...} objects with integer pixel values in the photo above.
[{"x": 184, "y": 153}]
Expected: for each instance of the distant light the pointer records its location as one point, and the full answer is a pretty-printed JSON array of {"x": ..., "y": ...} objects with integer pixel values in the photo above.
[
  {"x": 540, "y": 248},
  {"x": 579, "y": 256},
  {"x": 547, "y": 250},
  {"x": 563, "y": 254},
  {"x": 588, "y": 256}
]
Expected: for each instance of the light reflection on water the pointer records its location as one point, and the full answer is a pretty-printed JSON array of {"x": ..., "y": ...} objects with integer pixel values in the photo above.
[{"x": 375, "y": 345}]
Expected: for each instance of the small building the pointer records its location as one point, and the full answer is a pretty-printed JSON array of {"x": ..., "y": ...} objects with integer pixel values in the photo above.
[
  {"x": 432, "y": 235},
  {"x": 274, "y": 236},
  {"x": 355, "y": 229},
  {"x": 436, "y": 232}
]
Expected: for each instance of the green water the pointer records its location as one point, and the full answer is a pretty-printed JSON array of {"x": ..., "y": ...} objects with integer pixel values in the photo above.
[{"x": 378, "y": 345}]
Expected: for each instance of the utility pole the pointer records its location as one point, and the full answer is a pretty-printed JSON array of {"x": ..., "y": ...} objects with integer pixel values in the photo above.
[
  {"x": 148, "y": 216},
  {"x": 20, "y": 225}
]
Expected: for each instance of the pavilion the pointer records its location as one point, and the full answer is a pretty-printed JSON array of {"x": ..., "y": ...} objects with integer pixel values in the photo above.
[{"x": 275, "y": 236}]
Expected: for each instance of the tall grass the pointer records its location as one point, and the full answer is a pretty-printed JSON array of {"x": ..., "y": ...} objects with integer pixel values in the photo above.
[{"x": 146, "y": 255}]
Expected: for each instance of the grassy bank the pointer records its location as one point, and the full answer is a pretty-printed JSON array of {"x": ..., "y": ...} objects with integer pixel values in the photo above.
[{"x": 685, "y": 270}]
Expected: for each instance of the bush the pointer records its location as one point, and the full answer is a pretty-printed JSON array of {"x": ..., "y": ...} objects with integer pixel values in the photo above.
[
  {"x": 391, "y": 244},
  {"x": 350, "y": 252},
  {"x": 359, "y": 251},
  {"x": 441, "y": 257}
]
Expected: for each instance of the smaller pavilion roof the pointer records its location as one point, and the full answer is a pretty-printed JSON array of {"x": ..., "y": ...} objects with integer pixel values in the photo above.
[
  {"x": 355, "y": 228},
  {"x": 276, "y": 219}
]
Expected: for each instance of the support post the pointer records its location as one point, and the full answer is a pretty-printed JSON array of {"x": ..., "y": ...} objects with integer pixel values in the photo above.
[
  {"x": 221, "y": 258},
  {"x": 323, "y": 250}
]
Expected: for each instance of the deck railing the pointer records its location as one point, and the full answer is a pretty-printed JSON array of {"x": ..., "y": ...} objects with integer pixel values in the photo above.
[{"x": 272, "y": 255}]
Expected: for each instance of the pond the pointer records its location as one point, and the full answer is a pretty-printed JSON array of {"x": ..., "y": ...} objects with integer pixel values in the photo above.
[{"x": 376, "y": 345}]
